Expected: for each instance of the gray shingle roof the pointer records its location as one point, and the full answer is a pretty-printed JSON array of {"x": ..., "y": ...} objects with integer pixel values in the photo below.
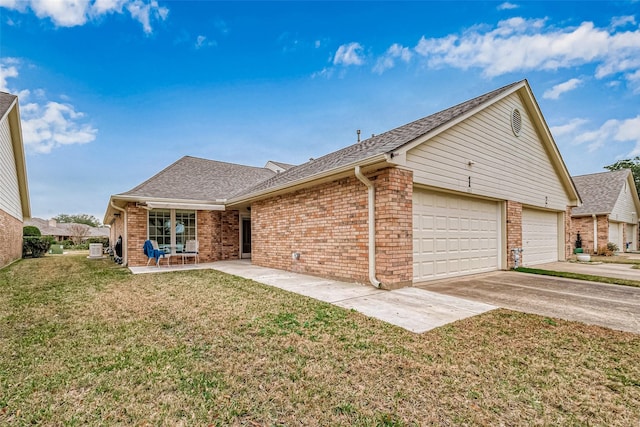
[
  {"x": 63, "y": 228},
  {"x": 599, "y": 191},
  {"x": 379, "y": 144},
  {"x": 192, "y": 178},
  {"x": 6, "y": 99}
]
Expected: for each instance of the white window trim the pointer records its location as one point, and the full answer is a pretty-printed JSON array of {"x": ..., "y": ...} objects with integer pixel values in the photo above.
[{"x": 172, "y": 218}]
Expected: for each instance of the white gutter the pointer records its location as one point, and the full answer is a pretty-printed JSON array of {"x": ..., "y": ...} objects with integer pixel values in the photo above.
[
  {"x": 372, "y": 226},
  {"x": 124, "y": 239}
]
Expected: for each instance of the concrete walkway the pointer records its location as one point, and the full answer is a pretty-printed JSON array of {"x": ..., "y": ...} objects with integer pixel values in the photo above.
[{"x": 416, "y": 310}]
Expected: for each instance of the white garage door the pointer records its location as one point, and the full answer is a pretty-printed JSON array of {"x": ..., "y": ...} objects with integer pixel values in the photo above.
[
  {"x": 615, "y": 236},
  {"x": 453, "y": 235},
  {"x": 539, "y": 236}
]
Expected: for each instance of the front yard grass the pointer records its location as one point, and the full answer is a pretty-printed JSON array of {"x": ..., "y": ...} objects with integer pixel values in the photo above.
[{"x": 83, "y": 342}]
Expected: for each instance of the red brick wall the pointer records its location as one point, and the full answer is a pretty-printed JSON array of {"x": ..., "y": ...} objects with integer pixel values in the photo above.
[
  {"x": 568, "y": 243},
  {"x": 10, "y": 238},
  {"x": 603, "y": 230},
  {"x": 394, "y": 227},
  {"x": 584, "y": 226},
  {"x": 327, "y": 225},
  {"x": 137, "y": 234},
  {"x": 514, "y": 231},
  {"x": 218, "y": 235}
]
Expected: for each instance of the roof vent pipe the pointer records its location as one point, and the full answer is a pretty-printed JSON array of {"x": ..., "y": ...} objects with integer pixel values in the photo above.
[
  {"x": 358, "y": 132},
  {"x": 372, "y": 226}
]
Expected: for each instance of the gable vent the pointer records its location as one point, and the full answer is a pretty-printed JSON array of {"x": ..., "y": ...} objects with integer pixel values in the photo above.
[{"x": 516, "y": 122}]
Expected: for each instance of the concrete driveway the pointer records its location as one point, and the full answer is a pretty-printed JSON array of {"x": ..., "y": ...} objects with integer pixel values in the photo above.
[
  {"x": 612, "y": 306},
  {"x": 620, "y": 271}
]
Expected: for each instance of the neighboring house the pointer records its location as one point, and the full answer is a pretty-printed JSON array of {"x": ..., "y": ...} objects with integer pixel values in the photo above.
[
  {"x": 14, "y": 191},
  {"x": 65, "y": 231},
  {"x": 457, "y": 192},
  {"x": 609, "y": 212}
]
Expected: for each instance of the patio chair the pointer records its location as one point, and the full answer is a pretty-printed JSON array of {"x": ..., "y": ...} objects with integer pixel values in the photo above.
[
  {"x": 190, "y": 250},
  {"x": 152, "y": 251}
]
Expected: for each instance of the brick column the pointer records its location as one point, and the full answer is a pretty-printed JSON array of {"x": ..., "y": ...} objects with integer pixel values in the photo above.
[
  {"x": 137, "y": 234},
  {"x": 394, "y": 227},
  {"x": 514, "y": 231}
]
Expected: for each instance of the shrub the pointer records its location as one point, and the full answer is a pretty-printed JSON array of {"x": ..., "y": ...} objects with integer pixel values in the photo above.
[
  {"x": 612, "y": 247},
  {"x": 33, "y": 246},
  {"x": 104, "y": 241},
  {"x": 31, "y": 230}
]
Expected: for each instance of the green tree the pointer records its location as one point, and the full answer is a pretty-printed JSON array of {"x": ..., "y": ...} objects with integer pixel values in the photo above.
[
  {"x": 85, "y": 219},
  {"x": 633, "y": 164}
]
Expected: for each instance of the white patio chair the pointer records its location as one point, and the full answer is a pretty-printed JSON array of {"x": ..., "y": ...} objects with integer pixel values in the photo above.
[{"x": 190, "y": 250}]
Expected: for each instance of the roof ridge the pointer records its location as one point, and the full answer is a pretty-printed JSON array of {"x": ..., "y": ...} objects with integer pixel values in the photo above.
[{"x": 604, "y": 172}]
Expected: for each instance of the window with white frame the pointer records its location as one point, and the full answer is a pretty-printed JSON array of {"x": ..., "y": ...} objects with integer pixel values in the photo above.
[
  {"x": 172, "y": 238},
  {"x": 185, "y": 227}
]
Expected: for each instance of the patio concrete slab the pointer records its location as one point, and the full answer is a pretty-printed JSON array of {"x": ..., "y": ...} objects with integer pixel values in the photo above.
[{"x": 413, "y": 309}]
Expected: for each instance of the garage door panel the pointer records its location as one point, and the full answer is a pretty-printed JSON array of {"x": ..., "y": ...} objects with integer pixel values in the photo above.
[
  {"x": 539, "y": 236},
  {"x": 464, "y": 235}
]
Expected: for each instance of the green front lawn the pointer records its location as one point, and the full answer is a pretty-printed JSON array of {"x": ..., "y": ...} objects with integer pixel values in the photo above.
[{"x": 83, "y": 342}]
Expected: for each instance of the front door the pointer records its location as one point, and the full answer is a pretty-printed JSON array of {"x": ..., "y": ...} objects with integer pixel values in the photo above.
[{"x": 246, "y": 237}]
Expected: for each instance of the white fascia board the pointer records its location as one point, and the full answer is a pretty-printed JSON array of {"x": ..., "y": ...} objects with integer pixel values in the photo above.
[{"x": 189, "y": 206}]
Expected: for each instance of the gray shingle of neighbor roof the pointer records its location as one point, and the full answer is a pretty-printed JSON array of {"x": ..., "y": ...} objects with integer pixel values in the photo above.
[
  {"x": 599, "y": 191},
  {"x": 192, "y": 178},
  {"x": 6, "y": 99},
  {"x": 379, "y": 144}
]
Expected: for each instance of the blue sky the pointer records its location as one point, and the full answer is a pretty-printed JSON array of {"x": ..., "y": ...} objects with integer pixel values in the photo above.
[{"x": 113, "y": 91}]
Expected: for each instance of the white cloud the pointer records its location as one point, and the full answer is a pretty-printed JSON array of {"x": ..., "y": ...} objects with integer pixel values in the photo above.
[
  {"x": 201, "y": 41},
  {"x": 388, "y": 60},
  {"x": 507, "y": 6},
  {"x": 64, "y": 13},
  {"x": 568, "y": 128},
  {"x": 559, "y": 89},
  {"x": 6, "y": 71},
  {"x": 46, "y": 124},
  {"x": 518, "y": 44},
  {"x": 613, "y": 131},
  {"x": 45, "y": 127},
  {"x": 145, "y": 12},
  {"x": 71, "y": 13},
  {"x": 621, "y": 21},
  {"x": 349, "y": 54}
]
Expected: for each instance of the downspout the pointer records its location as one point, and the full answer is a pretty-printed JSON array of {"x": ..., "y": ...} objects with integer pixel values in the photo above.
[
  {"x": 595, "y": 233},
  {"x": 372, "y": 226},
  {"x": 125, "y": 252}
]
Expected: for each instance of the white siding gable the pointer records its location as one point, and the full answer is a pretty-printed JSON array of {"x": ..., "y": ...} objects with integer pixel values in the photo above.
[
  {"x": 9, "y": 190},
  {"x": 482, "y": 156},
  {"x": 625, "y": 206}
]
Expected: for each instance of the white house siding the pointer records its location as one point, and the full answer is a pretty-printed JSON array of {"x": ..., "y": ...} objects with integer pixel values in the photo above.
[
  {"x": 623, "y": 210},
  {"x": 9, "y": 190},
  {"x": 503, "y": 166}
]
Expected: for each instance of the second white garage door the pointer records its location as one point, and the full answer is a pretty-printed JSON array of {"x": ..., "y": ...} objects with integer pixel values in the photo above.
[
  {"x": 539, "y": 236},
  {"x": 453, "y": 235}
]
